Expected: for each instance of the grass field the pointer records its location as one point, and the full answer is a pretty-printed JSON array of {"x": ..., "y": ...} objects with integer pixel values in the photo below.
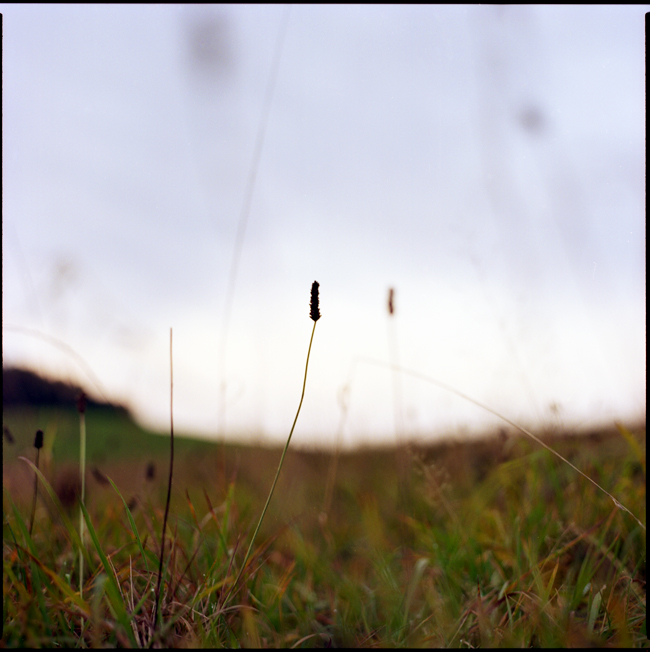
[{"x": 490, "y": 543}]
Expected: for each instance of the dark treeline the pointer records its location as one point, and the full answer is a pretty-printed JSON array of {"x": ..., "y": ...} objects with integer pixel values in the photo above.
[{"x": 22, "y": 387}]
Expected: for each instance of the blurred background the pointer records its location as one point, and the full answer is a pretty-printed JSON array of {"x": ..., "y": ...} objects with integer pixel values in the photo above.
[{"x": 198, "y": 167}]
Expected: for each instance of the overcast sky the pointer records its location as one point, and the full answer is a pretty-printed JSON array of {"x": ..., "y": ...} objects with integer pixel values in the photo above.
[{"x": 488, "y": 163}]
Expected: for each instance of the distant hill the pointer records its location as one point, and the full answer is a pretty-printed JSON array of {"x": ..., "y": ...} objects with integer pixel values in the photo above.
[{"x": 22, "y": 387}]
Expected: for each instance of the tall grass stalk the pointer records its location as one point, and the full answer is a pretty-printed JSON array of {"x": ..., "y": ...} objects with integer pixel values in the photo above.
[
  {"x": 81, "y": 406},
  {"x": 243, "y": 218},
  {"x": 169, "y": 485},
  {"x": 394, "y": 358},
  {"x": 314, "y": 314},
  {"x": 38, "y": 444},
  {"x": 402, "y": 451},
  {"x": 331, "y": 473}
]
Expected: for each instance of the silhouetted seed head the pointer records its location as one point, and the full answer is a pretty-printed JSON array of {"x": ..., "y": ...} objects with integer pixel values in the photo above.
[
  {"x": 100, "y": 477},
  {"x": 38, "y": 440},
  {"x": 67, "y": 487},
  {"x": 151, "y": 471},
  {"x": 81, "y": 403},
  {"x": 391, "y": 308},
  {"x": 314, "y": 312},
  {"x": 7, "y": 435}
]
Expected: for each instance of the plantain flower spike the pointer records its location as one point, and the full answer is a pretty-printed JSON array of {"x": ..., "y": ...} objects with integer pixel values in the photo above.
[
  {"x": 81, "y": 402},
  {"x": 38, "y": 440},
  {"x": 314, "y": 312},
  {"x": 391, "y": 308}
]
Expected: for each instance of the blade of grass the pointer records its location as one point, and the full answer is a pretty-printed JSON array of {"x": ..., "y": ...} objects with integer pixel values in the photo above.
[
  {"x": 212, "y": 514},
  {"x": 69, "y": 529},
  {"x": 70, "y": 594},
  {"x": 633, "y": 443},
  {"x": 36, "y": 576},
  {"x": 134, "y": 527},
  {"x": 113, "y": 592}
]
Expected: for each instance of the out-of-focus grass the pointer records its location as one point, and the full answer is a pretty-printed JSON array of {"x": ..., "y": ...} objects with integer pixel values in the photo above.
[
  {"x": 112, "y": 435},
  {"x": 497, "y": 543}
]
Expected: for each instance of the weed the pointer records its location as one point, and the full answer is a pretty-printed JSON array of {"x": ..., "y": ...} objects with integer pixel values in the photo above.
[{"x": 314, "y": 314}]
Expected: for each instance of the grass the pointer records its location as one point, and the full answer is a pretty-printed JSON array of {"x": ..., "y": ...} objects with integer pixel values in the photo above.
[
  {"x": 169, "y": 487},
  {"x": 314, "y": 314},
  {"x": 501, "y": 544}
]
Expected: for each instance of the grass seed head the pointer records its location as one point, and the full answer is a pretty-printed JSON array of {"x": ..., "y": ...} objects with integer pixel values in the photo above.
[
  {"x": 391, "y": 308},
  {"x": 8, "y": 435},
  {"x": 67, "y": 486},
  {"x": 100, "y": 477},
  {"x": 314, "y": 312},
  {"x": 150, "y": 472}
]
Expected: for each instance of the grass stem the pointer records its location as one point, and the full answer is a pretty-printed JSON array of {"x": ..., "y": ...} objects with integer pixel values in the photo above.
[
  {"x": 38, "y": 444},
  {"x": 402, "y": 446},
  {"x": 315, "y": 315},
  {"x": 81, "y": 406},
  {"x": 169, "y": 485}
]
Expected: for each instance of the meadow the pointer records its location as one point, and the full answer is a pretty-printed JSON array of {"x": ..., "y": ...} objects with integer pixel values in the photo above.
[
  {"x": 489, "y": 542},
  {"x": 484, "y": 543}
]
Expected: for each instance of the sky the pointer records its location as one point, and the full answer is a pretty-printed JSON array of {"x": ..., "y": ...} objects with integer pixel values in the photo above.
[{"x": 198, "y": 167}]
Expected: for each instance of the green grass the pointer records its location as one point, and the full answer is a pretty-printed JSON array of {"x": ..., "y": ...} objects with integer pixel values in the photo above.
[
  {"x": 499, "y": 544},
  {"x": 112, "y": 435}
]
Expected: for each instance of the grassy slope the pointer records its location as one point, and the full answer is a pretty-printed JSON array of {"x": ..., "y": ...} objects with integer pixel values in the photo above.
[
  {"x": 112, "y": 435},
  {"x": 486, "y": 543}
]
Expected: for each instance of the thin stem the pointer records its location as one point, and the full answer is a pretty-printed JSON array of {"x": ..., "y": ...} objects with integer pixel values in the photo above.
[
  {"x": 277, "y": 473},
  {"x": 81, "y": 406},
  {"x": 397, "y": 393},
  {"x": 82, "y": 465},
  {"x": 331, "y": 475},
  {"x": 243, "y": 218},
  {"x": 31, "y": 520},
  {"x": 169, "y": 485},
  {"x": 402, "y": 445}
]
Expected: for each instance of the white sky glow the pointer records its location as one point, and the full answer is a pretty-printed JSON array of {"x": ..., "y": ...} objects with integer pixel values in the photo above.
[{"x": 488, "y": 163}]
